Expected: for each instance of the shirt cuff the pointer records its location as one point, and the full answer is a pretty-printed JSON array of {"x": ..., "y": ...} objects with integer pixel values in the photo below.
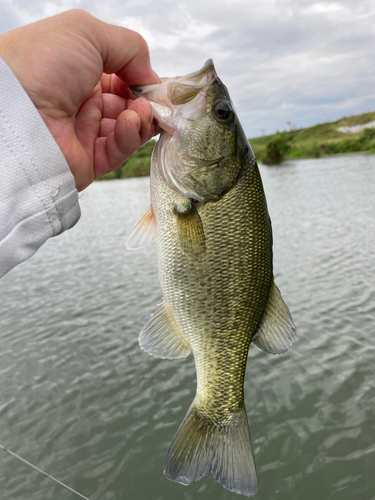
[{"x": 38, "y": 197}]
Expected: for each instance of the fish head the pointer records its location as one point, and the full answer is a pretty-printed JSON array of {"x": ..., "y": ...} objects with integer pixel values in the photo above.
[{"x": 207, "y": 146}]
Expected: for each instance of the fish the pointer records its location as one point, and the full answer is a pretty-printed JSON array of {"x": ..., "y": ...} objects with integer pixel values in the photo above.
[{"x": 209, "y": 218}]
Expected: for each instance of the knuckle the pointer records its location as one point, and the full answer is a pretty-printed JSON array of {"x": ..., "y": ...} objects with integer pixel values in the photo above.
[{"x": 141, "y": 43}]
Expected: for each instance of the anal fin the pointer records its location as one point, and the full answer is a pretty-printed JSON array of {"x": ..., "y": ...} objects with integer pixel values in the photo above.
[
  {"x": 276, "y": 333},
  {"x": 161, "y": 337}
]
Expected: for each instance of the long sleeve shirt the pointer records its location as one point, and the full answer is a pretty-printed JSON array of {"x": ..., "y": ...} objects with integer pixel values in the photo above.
[{"x": 38, "y": 197}]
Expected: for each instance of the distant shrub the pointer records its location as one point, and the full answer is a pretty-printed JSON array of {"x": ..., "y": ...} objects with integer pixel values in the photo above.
[
  {"x": 306, "y": 149},
  {"x": 347, "y": 146},
  {"x": 368, "y": 134},
  {"x": 361, "y": 143},
  {"x": 277, "y": 148}
]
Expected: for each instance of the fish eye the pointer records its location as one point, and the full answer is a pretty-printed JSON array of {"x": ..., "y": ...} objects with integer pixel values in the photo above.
[{"x": 222, "y": 112}]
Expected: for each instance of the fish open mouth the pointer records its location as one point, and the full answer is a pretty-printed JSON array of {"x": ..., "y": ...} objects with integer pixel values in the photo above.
[
  {"x": 178, "y": 98},
  {"x": 140, "y": 90},
  {"x": 178, "y": 90}
]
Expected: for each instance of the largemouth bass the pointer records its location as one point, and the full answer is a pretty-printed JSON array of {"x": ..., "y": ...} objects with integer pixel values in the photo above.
[{"x": 209, "y": 218}]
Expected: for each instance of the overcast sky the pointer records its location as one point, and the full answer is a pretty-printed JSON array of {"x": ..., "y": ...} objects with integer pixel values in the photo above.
[{"x": 299, "y": 61}]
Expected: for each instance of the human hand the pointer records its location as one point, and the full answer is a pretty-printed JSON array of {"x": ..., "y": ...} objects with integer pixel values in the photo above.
[{"x": 76, "y": 69}]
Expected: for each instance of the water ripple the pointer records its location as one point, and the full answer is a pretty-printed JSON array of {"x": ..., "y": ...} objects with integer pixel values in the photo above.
[{"x": 80, "y": 398}]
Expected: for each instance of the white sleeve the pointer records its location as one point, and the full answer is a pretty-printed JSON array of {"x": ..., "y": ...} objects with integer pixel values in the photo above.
[{"x": 38, "y": 198}]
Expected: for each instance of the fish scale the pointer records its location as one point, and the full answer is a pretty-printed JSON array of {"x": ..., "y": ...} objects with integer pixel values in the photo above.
[
  {"x": 232, "y": 291},
  {"x": 210, "y": 222}
]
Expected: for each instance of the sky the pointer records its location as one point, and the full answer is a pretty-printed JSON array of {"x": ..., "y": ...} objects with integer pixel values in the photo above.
[{"x": 300, "y": 62}]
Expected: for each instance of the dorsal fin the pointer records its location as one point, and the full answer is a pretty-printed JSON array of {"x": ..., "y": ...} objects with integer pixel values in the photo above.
[
  {"x": 143, "y": 232},
  {"x": 161, "y": 336},
  {"x": 276, "y": 333}
]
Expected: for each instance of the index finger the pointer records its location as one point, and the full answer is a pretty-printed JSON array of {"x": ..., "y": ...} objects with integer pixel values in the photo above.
[{"x": 112, "y": 84}]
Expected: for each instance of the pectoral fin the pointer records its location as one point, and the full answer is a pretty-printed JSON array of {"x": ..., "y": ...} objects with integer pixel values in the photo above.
[
  {"x": 190, "y": 229},
  {"x": 161, "y": 336},
  {"x": 143, "y": 232},
  {"x": 276, "y": 333}
]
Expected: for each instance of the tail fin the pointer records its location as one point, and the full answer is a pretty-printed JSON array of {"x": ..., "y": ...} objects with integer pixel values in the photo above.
[{"x": 201, "y": 447}]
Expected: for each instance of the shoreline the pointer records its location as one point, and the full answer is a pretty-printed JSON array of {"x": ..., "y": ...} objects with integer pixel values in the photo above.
[{"x": 324, "y": 157}]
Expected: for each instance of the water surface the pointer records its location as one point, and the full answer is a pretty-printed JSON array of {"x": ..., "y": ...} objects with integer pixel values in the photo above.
[{"x": 81, "y": 400}]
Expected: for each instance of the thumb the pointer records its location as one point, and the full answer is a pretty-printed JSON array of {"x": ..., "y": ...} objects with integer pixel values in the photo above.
[{"x": 123, "y": 51}]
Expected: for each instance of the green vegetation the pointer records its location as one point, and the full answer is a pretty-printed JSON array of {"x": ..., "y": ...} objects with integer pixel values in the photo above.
[
  {"x": 137, "y": 165},
  {"x": 313, "y": 142},
  {"x": 277, "y": 148}
]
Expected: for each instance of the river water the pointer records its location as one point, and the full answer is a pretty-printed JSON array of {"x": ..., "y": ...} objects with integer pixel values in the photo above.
[{"x": 81, "y": 400}]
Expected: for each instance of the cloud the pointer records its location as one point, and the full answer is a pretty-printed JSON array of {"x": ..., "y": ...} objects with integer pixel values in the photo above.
[
  {"x": 282, "y": 60},
  {"x": 9, "y": 18}
]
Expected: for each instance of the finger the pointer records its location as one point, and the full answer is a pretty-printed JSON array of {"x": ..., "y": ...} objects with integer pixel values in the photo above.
[
  {"x": 87, "y": 120},
  {"x": 132, "y": 129},
  {"x": 123, "y": 51},
  {"x": 143, "y": 108},
  {"x": 113, "y": 105},
  {"x": 112, "y": 84},
  {"x": 113, "y": 150},
  {"x": 107, "y": 126}
]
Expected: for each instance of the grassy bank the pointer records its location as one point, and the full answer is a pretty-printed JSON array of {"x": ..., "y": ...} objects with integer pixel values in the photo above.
[
  {"x": 319, "y": 140},
  {"x": 138, "y": 165},
  {"x": 312, "y": 142}
]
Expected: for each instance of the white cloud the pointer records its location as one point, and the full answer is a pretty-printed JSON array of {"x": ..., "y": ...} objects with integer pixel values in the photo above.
[
  {"x": 171, "y": 39},
  {"x": 323, "y": 8},
  {"x": 282, "y": 60}
]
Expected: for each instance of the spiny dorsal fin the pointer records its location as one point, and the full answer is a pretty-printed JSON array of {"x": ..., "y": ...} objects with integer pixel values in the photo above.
[
  {"x": 276, "y": 333},
  {"x": 161, "y": 336},
  {"x": 143, "y": 232},
  {"x": 190, "y": 230}
]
